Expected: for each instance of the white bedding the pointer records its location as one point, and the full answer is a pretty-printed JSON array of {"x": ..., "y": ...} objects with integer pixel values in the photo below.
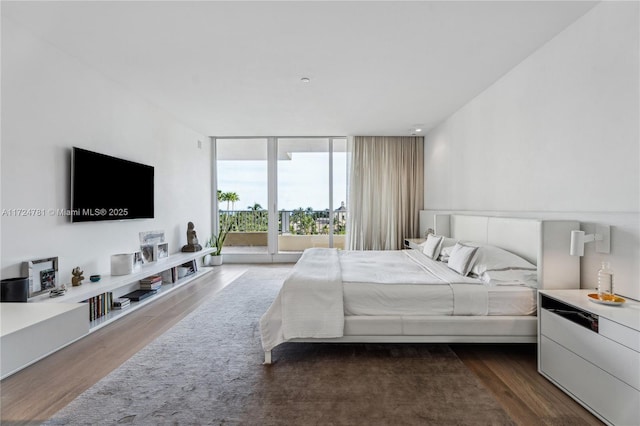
[
  {"x": 309, "y": 303},
  {"x": 366, "y": 291},
  {"x": 380, "y": 299},
  {"x": 407, "y": 283},
  {"x": 397, "y": 267},
  {"x": 326, "y": 284}
]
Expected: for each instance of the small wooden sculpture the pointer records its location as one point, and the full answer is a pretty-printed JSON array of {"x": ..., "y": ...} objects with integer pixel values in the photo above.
[
  {"x": 192, "y": 240},
  {"x": 77, "y": 277}
]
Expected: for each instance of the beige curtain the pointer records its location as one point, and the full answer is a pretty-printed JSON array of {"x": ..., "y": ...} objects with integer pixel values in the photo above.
[{"x": 386, "y": 191}]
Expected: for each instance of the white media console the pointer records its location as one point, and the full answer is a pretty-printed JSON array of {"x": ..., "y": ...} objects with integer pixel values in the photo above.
[{"x": 31, "y": 331}]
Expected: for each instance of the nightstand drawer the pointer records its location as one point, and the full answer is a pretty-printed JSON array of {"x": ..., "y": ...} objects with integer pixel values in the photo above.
[
  {"x": 619, "y": 333},
  {"x": 590, "y": 351},
  {"x": 604, "y": 353},
  {"x": 614, "y": 400}
]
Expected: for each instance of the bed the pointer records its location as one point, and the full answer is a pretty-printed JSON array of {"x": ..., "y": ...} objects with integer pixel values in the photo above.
[{"x": 475, "y": 282}]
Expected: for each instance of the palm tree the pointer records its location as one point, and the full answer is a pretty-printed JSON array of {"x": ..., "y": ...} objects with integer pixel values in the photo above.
[
  {"x": 229, "y": 197},
  {"x": 224, "y": 196},
  {"x": 233, "y": 197},
  {"x": 255, "y": 207}
]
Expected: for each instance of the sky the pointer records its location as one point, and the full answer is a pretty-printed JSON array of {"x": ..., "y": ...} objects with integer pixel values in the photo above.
[{"x": 303, "y": 181}]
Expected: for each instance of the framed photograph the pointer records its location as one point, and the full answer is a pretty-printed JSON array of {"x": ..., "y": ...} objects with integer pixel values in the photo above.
[
  {"x": 48, "y": 279},
  {"x": 43, "y": 275},
  {"x": 149, "y": 238},
  {"x": 147, "y": 253},
  {"x": 161, "y": 251},
  {"x": 137, "y": 260}
]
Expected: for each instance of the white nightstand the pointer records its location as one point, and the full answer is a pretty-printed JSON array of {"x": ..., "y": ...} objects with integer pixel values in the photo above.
[
  {"x": 592, "y": 352},
  {"x": 414, "y": 243}
]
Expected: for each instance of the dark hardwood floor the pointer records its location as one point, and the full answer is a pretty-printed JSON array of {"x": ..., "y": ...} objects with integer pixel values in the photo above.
[
  {"x": 510, "y": 372},
  {"x": 40, "y": 390}
]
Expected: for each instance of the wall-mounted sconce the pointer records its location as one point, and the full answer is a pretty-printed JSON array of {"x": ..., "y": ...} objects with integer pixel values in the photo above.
[{"x": 602, "y": 237}]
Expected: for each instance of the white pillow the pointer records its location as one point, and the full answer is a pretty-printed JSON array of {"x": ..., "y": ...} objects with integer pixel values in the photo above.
[
  {"x": 445, "y": 248},
  {"x": 461, "y": 259},
  {"x": 490, "y": 258},
  {"x": 432, "y": 246}
]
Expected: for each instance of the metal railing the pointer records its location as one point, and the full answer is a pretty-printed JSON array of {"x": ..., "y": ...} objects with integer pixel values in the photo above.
[{"x": 294, "y": 222}]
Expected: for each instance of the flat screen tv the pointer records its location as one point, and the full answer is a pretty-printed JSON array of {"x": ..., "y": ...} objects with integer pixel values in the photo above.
[{"x": 109, "y": 188}]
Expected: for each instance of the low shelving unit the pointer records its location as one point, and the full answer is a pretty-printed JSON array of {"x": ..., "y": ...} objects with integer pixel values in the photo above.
[
  {"x": 64, "y": 319},
  {"x": 123, "y": 284}
]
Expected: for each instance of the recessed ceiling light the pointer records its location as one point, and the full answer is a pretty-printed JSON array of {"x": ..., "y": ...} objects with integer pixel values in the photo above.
[
  {"x": 418, "y": 130},
  {"x": 305, "y": 79}
]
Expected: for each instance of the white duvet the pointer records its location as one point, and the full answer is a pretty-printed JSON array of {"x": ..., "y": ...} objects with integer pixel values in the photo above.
[
  {"x": 311, "y": 303},
  {"x": 385, "y": 283}
]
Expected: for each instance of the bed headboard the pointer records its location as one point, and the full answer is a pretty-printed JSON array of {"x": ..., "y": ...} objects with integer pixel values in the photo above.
[{"x": 542, "y": 242}]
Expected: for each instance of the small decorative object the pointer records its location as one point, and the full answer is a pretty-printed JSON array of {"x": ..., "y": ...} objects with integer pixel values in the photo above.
[
  {"x": 76, "y": 276},
  {"x": 609, "y": 299},
  {"x": 161, "y": 251},
  {"x": 148, "y": 242},
  {"x": 94, "y": 278},
  {"x": 605, "y": 281},
  {"x": 149, "y": 238},
  {"x": 137, "y": 261},
  {"x": 57, "y": 292},
  {"x": 192, "y": 240},
  {"x": 42, "y": 275},
  {"x": 123, "y": 263},
  {"x": 147, "y": 253}
]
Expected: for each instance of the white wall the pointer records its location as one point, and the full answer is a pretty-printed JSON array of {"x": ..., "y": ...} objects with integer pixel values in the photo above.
[
  {"x": 51, "y": 102},
  {"x": 556, "y": 137}
]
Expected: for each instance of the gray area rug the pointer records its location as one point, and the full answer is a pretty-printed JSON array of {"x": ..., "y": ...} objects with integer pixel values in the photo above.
[{"x": 207, "y": 370}]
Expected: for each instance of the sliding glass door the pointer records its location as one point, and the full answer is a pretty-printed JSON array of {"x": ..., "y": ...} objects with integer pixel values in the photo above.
[
  {"x": 282, "y": 195},
  {"x": 243, "y": 194}
]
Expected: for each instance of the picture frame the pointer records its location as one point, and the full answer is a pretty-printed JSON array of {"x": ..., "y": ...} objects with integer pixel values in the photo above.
[
  {"x": 147, "y": 251},
  {"x": 137, "y": 260},
  {"x": 160, "y": 251},
  {"x": 151, "y": 237},
  {"x": 43, "y": 275}
]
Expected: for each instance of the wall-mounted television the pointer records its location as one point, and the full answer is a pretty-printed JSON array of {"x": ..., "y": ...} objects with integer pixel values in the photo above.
[{"x": 109, "y": 188}]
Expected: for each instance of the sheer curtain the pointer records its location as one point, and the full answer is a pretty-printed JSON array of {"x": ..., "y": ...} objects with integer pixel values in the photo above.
[{"x": 386, "y": 191}]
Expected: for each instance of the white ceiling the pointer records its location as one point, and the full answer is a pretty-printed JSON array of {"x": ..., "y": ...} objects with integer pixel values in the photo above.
[{"x": 234, "y": 68}]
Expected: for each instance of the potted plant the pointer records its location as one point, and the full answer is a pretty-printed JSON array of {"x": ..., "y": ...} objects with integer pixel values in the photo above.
[{"x": 217, "y": 241}]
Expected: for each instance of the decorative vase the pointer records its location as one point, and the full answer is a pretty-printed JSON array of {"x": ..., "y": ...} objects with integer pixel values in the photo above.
[{"x": 216, "y": 260}]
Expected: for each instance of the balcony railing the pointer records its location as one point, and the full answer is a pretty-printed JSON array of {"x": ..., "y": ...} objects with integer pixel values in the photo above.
[{"x": 294, "y": 222}]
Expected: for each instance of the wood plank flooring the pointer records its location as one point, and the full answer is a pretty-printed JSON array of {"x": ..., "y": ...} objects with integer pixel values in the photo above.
[
  {"x": 36, "y": 393},
  {"x": 510, "y": 372},
  {"x": 39, "y": 391}
]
